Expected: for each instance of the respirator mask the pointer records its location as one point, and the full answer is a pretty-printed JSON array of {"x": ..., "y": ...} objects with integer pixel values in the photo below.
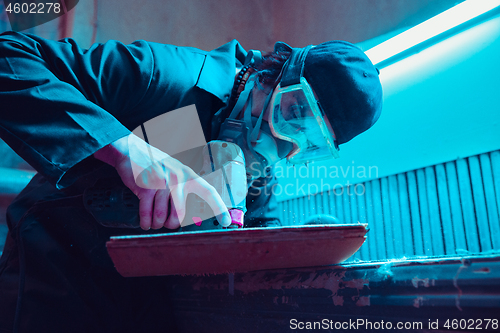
[{"x": 297, "y": 128}]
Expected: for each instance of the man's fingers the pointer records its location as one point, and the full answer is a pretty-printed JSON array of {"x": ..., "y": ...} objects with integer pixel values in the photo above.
[
  {"x": 208, "y": 193},
  {"x": 172, "y": 221},
  {"x": 160, "y": 209},
  {"x": 178, "y": 200},
  {"x": 146, "y": 209}
]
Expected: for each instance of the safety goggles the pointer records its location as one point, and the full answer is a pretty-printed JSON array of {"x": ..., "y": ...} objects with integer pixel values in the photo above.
[{"x": 296, "y": 116}]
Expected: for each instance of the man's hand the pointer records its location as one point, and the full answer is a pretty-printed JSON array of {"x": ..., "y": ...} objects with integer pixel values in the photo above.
[{"x": 163, "y": 185}]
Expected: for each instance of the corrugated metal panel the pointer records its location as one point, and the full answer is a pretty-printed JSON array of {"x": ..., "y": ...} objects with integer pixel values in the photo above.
[
  {"x": 434, "y": 214},
  {"x": 378, "y": 224},
  {"x": 361, "y": 211},
  {"x": 492, "y": 195},
  {"x": 467, "y": 204},
  {"x": 424, "y": 212},
  {"x": 371, "y": 243},
  {"x": 416, "y": 221},
  {"x": 480, "y": 204},
  {"x": 457, "y": 218},
  {"x": 386, "y": 215},
  {"x": 405, "y": 214},
  {"x": 445, "y": 209}
]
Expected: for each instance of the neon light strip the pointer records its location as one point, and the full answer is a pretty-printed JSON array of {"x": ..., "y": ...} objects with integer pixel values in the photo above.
[{"x": 433, "y": 27}]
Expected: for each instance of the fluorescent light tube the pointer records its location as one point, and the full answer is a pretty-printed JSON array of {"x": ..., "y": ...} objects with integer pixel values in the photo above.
[{"x": 433, "y": 27}]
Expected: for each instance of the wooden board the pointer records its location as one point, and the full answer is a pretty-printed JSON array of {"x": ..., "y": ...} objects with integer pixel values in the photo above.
[{"x": 238, "y": 250}]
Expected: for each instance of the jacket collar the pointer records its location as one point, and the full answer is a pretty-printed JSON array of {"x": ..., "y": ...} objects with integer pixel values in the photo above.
[{"x": 218, "y": 71}]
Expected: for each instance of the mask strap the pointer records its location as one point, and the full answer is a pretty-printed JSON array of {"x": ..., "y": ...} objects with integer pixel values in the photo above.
[
  {"x": 254, "y": 58},
  {"x": 255, "y": 132},
  {"x": 242, "y": 99},
  {"x": 247, "y": 117}
]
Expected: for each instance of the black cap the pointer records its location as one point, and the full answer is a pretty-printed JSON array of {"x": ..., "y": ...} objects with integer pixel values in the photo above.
[{"x": 347, "y": 86}]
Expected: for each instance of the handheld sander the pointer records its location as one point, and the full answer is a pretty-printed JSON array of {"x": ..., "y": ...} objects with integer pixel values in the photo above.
[{"x": 223, "y": 166}]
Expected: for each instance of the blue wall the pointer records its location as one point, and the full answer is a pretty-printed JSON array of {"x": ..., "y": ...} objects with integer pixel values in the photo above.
[{"x": 440, "y": 105}]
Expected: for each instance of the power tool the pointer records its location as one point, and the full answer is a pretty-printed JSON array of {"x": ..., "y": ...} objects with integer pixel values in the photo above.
[{"x": 114, "y": 205}]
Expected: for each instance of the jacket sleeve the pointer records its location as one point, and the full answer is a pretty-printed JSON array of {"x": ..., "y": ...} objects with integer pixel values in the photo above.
[{"x": 60, "y": 104}]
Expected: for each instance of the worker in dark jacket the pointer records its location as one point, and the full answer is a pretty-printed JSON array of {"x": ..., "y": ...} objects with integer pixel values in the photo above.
[{"x": 69, "y": 112}]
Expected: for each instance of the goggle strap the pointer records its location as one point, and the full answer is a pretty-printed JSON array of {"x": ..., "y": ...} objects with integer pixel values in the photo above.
[{"x": 293, "y": 69}]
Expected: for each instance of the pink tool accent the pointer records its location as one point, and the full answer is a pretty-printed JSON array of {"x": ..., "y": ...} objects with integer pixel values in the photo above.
[
  {"x": 197, "y": 220},
  {"x": 237, "y": 217}
]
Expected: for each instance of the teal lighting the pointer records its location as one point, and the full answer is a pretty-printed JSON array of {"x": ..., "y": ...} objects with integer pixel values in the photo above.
[{"x": 436, "y": 28}]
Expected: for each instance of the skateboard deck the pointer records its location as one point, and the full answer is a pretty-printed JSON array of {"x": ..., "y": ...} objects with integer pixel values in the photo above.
[{"x": 235, "y": 250}]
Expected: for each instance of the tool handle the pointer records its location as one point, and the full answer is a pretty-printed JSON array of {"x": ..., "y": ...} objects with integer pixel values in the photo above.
[{"x": 112, "y": 203}]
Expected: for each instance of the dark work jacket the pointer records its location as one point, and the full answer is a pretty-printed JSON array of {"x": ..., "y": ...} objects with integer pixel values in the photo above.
[{"x": 58, "y": 105}]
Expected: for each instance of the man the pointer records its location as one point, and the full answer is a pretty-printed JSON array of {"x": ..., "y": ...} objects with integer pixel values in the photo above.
[{"x": 69, "y": 112}]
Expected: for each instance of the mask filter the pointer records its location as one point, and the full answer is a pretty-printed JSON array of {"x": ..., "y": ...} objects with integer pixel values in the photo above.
[{"x": 236, "y": 131}]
